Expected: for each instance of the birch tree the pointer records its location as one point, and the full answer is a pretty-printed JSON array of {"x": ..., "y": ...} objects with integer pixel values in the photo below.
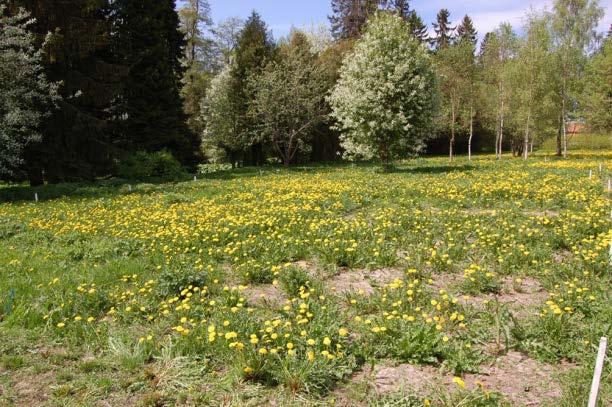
[{"x": 574, "y": 24}]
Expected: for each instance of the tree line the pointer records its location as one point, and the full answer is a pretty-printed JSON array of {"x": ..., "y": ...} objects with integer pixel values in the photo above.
[{"x": 88, "y": 85}]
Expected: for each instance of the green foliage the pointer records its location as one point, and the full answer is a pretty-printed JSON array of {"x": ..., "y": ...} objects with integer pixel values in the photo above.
[
  {"x": 151, "y": 45},
  {"x": 160, "y": 165},
  {"x": 597, "y": 99},
  {"x": 386, "y": 97},
  {"x": 26, "y": 97},
  {"x": 289, "y": 98}
]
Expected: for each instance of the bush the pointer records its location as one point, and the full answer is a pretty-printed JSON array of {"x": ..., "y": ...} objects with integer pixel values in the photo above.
[{"x": 159, "y": 165}]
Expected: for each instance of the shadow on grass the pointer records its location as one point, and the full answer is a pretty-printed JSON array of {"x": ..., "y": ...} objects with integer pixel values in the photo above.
[
  {"x": 441, "y": 169},
  {"x": 115, "y": 187}
]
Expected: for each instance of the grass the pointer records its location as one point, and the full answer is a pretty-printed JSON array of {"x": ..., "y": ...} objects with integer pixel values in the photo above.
[{"x": 150, "y": 295}]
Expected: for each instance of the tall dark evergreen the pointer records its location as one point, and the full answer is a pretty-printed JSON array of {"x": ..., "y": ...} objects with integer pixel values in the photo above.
[
  {"x": 150, "y": 111},
  {"x": 444, "y": 32},
  {"x": 77, "y": 137},
  {"x": 418, "y": 27},
  {"x": 255, "y": 48},
  {"x": 401, "y": 8},
  {"x": 350, "y": 16},
  {"x": 466, "y": 30}
]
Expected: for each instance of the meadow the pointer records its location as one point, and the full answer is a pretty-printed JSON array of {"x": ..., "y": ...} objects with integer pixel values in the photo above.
[{"x": 472, "y": 284}]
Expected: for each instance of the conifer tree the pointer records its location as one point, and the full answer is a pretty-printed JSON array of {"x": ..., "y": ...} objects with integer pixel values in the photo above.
[
  {"x": 150, "y": 43},
  {"x": 444, "y": 31},
  {"x": 466, "y": 30},
  {"x": 418, "y": 27},
  {"x": 77, "y": 138},
  {"x": 350, "y": 16},
  {"x": 255, "y": 48}
]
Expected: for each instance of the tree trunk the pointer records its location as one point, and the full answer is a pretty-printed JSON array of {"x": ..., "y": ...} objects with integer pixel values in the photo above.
[
  {"x": 526, "y": 140},
  {"x": 452, "y": 139},
  {"x": 501, "y": 130},
  {"x": 471, "y": 133},
  {"x": 559, "y": 135}
]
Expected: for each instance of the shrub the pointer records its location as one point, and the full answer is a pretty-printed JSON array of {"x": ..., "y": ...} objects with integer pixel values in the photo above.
[{"x": 158, "y": 165}]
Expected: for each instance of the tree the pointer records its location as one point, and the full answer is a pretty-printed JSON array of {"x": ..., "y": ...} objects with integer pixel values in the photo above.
[
  {"x": 222, "y": 117},
  {"x": 350, "y": 16},
  {"x": 597, "y": 99},
  {"x": 78, "y": 137},
  {"x": 385, "y": 99},
  {"x": 401, "y": 8},
  {"x": 26, "y": 96},
  {"x": 289, "y": 98},
  {"x": 497, "y": 52},
  {"x": 199, "y": 60},
  {"x": 255, "y": 48},
  {"x": 466, "y": 31},
  {"x": 150, "y": 109},
  {"x": 226, "y": 35},
  {"x": 455, "y": 65},
  {"x": 531, "y": 79},
  {"x": 574, "y": 24},
  {"x": 444, "y": 32},
  {"x": 418, "y": 27}
]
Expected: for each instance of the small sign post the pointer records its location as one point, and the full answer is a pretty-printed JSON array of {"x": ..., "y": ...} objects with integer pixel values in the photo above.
[{"x": 601, "y": 356}]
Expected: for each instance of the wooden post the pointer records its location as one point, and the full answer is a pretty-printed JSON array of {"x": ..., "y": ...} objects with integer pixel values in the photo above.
[
  {"x": 601, "y": 356},
  {"x": 35, "y": 196}
]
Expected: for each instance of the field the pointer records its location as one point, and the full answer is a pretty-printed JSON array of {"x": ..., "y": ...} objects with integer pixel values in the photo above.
[{"x": 472, "y": 284}]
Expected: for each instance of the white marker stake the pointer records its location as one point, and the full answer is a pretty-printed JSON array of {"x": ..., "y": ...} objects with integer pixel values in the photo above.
[
  {"x": 130, "y": 187},
  {"x": 35, "y": 196},
  {"x": 195, "y": 177},
  {"x": 601, "y": 355},
  {"x": 609, "y": 185},
  {"x": 600, "y": 168},
  {"x": 590, "y": 174}
]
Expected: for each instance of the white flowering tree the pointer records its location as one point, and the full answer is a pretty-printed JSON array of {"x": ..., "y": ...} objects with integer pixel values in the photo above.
[
  {"x": 25, "y": 94},
  {"x": 386, "y": 98}
]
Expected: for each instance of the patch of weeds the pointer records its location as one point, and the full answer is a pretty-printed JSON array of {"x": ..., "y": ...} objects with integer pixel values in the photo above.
[
  {"x": 477, "y": 280},
  {"x": 12, "y": 362}
]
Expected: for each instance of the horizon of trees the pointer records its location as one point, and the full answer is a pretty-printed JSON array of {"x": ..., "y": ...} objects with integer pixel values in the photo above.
[{"x": 111, "y": 84}]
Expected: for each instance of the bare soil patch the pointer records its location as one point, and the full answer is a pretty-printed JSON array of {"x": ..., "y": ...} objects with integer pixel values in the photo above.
[
  {"x": 266, "y": 294},
  {"x": 362, "y": 280},
  {"x": 520, "y": 379}
]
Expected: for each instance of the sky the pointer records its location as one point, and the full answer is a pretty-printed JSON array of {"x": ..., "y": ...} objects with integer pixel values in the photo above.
[{"x": 281, "y": 15}]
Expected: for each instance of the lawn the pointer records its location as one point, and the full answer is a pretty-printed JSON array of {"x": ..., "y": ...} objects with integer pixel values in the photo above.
[{"x": 475, "y": 284}]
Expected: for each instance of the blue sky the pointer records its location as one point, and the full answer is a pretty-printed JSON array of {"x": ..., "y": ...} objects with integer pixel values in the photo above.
[{"x": 281, "y": 15}]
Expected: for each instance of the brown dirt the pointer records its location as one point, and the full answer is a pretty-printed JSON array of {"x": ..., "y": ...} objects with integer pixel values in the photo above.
[
  {"x": 362, "y": 280},
  {"x": 33, "y": 390},
  {"x": 523, "y": 303},
  {"x": 521, "y": 380},
  {"x": 562, "y": 256},
  {"x": 266, "y": 294}
]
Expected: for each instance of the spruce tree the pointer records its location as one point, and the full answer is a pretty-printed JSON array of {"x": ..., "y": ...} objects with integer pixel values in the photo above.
[
  {"x": 401, "y": 8},
  {"x": 466, "y": 31},
  {"x": 350, "y": 16},
  {"x": 77, "y": 137},
  {"x": 444, "y": 31},
  {"x": 418, "y": 27},
  {"x": 255, "y": 48},
  {"x": 150, "y": 111}
]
